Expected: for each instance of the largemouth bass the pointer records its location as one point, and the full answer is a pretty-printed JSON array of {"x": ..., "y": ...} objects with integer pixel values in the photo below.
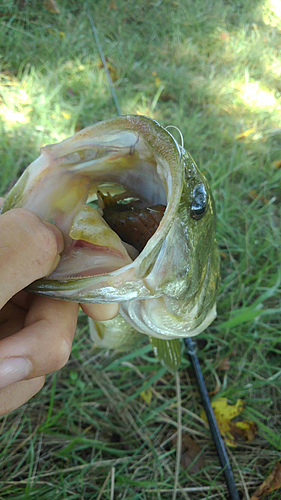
[{"x": 138, "y": 219}]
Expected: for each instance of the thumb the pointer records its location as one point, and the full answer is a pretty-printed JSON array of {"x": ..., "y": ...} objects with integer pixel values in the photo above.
[{"x": 29, "y": 250}]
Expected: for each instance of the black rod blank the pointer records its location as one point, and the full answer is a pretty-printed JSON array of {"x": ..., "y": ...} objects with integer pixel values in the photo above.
[
  {"x": 219, "y": 443},
  {"x": 212, "y": 419}
]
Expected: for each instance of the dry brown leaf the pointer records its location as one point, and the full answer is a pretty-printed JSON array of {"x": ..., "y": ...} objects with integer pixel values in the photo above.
[
  {"x": 224, "y": 364},
  {"x": 189, "y": 452},
  {"x": 232, "y": 431},
  {"x": 166, "y": 96},
  {"x": 113, "y": 5},
  {"x": 52, "y": 6},
  {"x": 253, "y": 195},
  {"x": 223, "y": 255},
  {"x": 271, "y": 483},
  {"x": 112, "y": 70},
  {"x": 245, "y": 430}
]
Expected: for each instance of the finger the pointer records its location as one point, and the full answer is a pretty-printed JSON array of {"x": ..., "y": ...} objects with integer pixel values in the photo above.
[
  {"x": 43, "y": 346},
  {"x": 101, "y": 312},
  {"x": 28, "y": 250},
  {"x": 23, "y": 299},
  {"x": 12, "y": 319},
  {"x": 17, "y": 394}
]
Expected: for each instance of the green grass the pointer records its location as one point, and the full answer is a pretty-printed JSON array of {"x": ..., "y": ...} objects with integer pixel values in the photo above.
[{"x": 212, "y": 69}]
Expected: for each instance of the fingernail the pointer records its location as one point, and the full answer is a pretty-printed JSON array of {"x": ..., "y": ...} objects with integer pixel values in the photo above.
[
  {"x": 13, "y": 370},
  {"x": 58, "y": 235}
]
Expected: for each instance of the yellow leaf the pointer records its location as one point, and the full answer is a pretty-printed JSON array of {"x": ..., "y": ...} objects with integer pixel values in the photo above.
[
  {"x": 60, "y": 33},
  {"x": 65, "y": 115},
  {"x": 146, "y": 396},
  {"x": 245, "y": 134},
  {"x": 232, "y": 431},
  {"x": 52, "y": 6},
  {"x": 158, "y": 81},
  {"x": 271, "y": 483},
  {"x": 277, "y": 164}
]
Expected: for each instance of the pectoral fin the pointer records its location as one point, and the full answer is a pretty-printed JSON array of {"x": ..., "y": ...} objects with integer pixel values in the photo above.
[{"x": 168, "y": 352}]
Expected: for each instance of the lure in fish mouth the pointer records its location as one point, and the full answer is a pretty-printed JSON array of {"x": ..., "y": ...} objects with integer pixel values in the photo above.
[{"x": 138, "y": 221}]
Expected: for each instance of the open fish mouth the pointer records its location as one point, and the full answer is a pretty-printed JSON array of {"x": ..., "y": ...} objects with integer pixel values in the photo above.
[
  {"x": 107, "y": 195},
  {"x": 138, "y": 220}
]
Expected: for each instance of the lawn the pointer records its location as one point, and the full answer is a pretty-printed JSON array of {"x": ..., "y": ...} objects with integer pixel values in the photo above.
[{"x": 212, "y": 69}]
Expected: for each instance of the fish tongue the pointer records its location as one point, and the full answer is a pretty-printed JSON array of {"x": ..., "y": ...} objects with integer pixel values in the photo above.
[{"x": 88, "y": 229}]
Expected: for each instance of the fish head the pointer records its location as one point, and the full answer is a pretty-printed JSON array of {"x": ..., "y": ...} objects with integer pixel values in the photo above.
[{"x": 138, "y": 221}]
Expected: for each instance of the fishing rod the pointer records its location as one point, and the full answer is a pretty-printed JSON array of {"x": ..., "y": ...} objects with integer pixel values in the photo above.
[{"x": 189, "y": 343}]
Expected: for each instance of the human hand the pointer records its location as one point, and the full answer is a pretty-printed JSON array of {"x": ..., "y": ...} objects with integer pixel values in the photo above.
[{"x": 36, "y": 332}]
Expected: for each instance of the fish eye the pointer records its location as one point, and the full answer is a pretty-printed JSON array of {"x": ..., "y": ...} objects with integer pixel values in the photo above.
[{"x": 199, "y": 202}]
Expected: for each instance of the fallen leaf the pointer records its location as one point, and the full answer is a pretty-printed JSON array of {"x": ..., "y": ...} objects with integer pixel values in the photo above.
[
  {"x": 224, "y": 364},
  {"x": 253, "y": 195},
  {"x": 113, "y": 5},
  {"x": 271, "y": 483},
  {"x": 190, "y": 452},
  {"x": 166, "y": 96},
  {"x": 277, "y": 164},
  {"x": 112, "y": 70},
  {"x": 244, "y": 134},
  {"x": 147, "y": 396},
  {"x": 158, "y": 82},
  {"x": 245, "y": 430},
  {"x": 52, "y": 6},
  {"x": 232, "y": 431},
  {"x": 224, "y": 256},
  {"x": 55, "y": 33}
]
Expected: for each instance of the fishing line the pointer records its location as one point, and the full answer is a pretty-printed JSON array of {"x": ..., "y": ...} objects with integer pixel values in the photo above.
[
  {"x": 112, "y": 90},
  {"x": 190, "y": 344},
  {"x": 179, "y": 131}
]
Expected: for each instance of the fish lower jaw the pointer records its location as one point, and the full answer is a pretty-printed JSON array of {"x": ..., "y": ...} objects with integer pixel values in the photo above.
[
  {"x": 85, "y": 259},
  {"x": 153, "y": 320}
]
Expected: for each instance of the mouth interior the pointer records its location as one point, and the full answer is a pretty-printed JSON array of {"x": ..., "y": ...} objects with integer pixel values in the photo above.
[{"x": 108, "y": 196}]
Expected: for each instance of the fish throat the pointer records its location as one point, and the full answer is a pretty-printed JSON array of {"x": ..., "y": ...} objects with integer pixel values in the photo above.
[{"x": 108, "y": 197}]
